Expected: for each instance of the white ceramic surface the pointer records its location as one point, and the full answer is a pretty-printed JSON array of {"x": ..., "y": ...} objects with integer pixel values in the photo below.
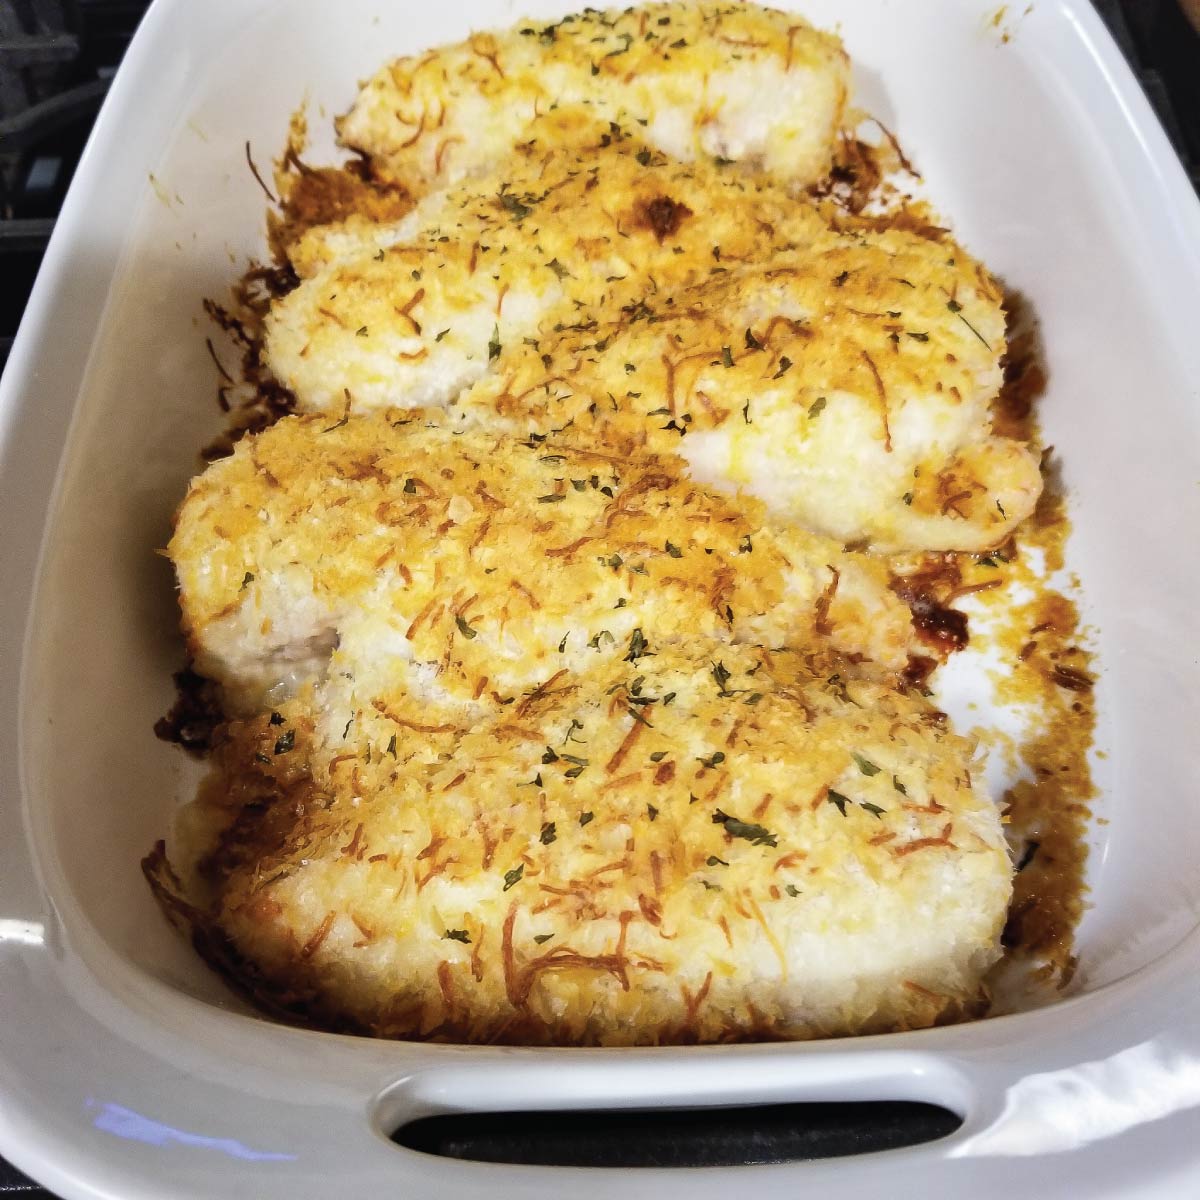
[{"x": 125, "y": 1068}]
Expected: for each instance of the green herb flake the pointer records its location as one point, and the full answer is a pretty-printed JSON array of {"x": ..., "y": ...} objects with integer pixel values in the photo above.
[
  {"x": 457, "y": 935},
  {"x": 651, "y": 811},
  {"x": 637, "y": 646},
  {"x": 465, "y": 629},
  {"x": 585, "y": 819},
  {"x": 558, "y": 269},
  {"x": 658, "y": 756},
  {"x": 410, "y": 487},
  {"x": 286, "y": 742},
  {"x": 513, "y": 877},
  {"x": 791, "y": 889},
  {"x": 674, "y": 551},
  {"x": 547, "y": 835},
  {"x": 247, "y": 579},
  {"x": 785, "y": 365},
  {"x": 494, "y": 344},
  {"x": 715, "y": 761},
  {"x": 873, "y": 809},
  {"x": 838, "y": 799},
  {"x": 441, "y": 335},
  {"x": 361, "y": 331},
  {"x": 726, "y": 357},
  {"x": 899, "y": 786},
  {"x": 276, "y": 719},
  {"x": 628, "y": 40},
  {"x": 907, "y": 498},
  {"x": 918, "y": 337},
  {"x": 643, "y": 156},
  {"x": 391, "y": 746},
  {"x": 637, "y": 716},
  {"x": 865, "y": 765},
  {"x": 817, "y": 407},
  {"x": 552, "y": 498},
  {"x": 542, "y": 938},
  {"x": 721, "y": 674},
  {"x": 513, "y": 205},
  {"x": 956, "y": 308},
  {"x": 756, "y": 835},
  {"x": 714, "y": 861}
]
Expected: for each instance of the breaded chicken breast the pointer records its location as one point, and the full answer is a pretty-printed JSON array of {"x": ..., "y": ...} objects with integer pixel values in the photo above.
[
  {"x": 474, "y": 566},
  {"x": 407, "y": 314},
  {"x": 699, "y": 842},
  {"x": 702, "y": 80},
  {"x": 844, "y": 377},
  {"x": 848, "y": 385}
]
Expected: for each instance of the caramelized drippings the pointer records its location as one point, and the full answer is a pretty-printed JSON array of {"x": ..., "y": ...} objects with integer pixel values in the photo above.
[
  {"x": 1048, "y": 669},
  {"x": 662, "y": 216},
  {"x": 195, "y": 715},
  {"x": 322, "y": 195}
]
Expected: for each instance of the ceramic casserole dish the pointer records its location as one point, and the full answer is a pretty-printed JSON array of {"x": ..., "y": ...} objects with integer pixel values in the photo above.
[{"x": 127, "y": 1069}]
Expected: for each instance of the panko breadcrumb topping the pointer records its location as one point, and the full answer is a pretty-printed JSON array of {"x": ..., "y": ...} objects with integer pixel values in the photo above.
[
  {"x": 669, "y": 847},
  {"x": 572, "y": 639}
]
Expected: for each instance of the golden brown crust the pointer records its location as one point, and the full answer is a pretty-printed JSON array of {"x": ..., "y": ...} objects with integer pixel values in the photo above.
[
  {"x": 547, "y": 879},
  {"x": 500, "y": 560},
  {"x": 398, "y": 843}
]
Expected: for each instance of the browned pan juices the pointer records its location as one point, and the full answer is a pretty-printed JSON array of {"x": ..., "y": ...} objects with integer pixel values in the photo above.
[{"x": 1048, "y": 669}]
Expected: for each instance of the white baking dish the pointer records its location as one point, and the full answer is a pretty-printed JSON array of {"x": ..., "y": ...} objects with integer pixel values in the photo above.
[{"x": 127, "y": 1070}]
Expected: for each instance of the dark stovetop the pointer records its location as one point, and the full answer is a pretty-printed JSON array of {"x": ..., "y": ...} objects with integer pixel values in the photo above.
[{"x": 56, "y": 60}]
